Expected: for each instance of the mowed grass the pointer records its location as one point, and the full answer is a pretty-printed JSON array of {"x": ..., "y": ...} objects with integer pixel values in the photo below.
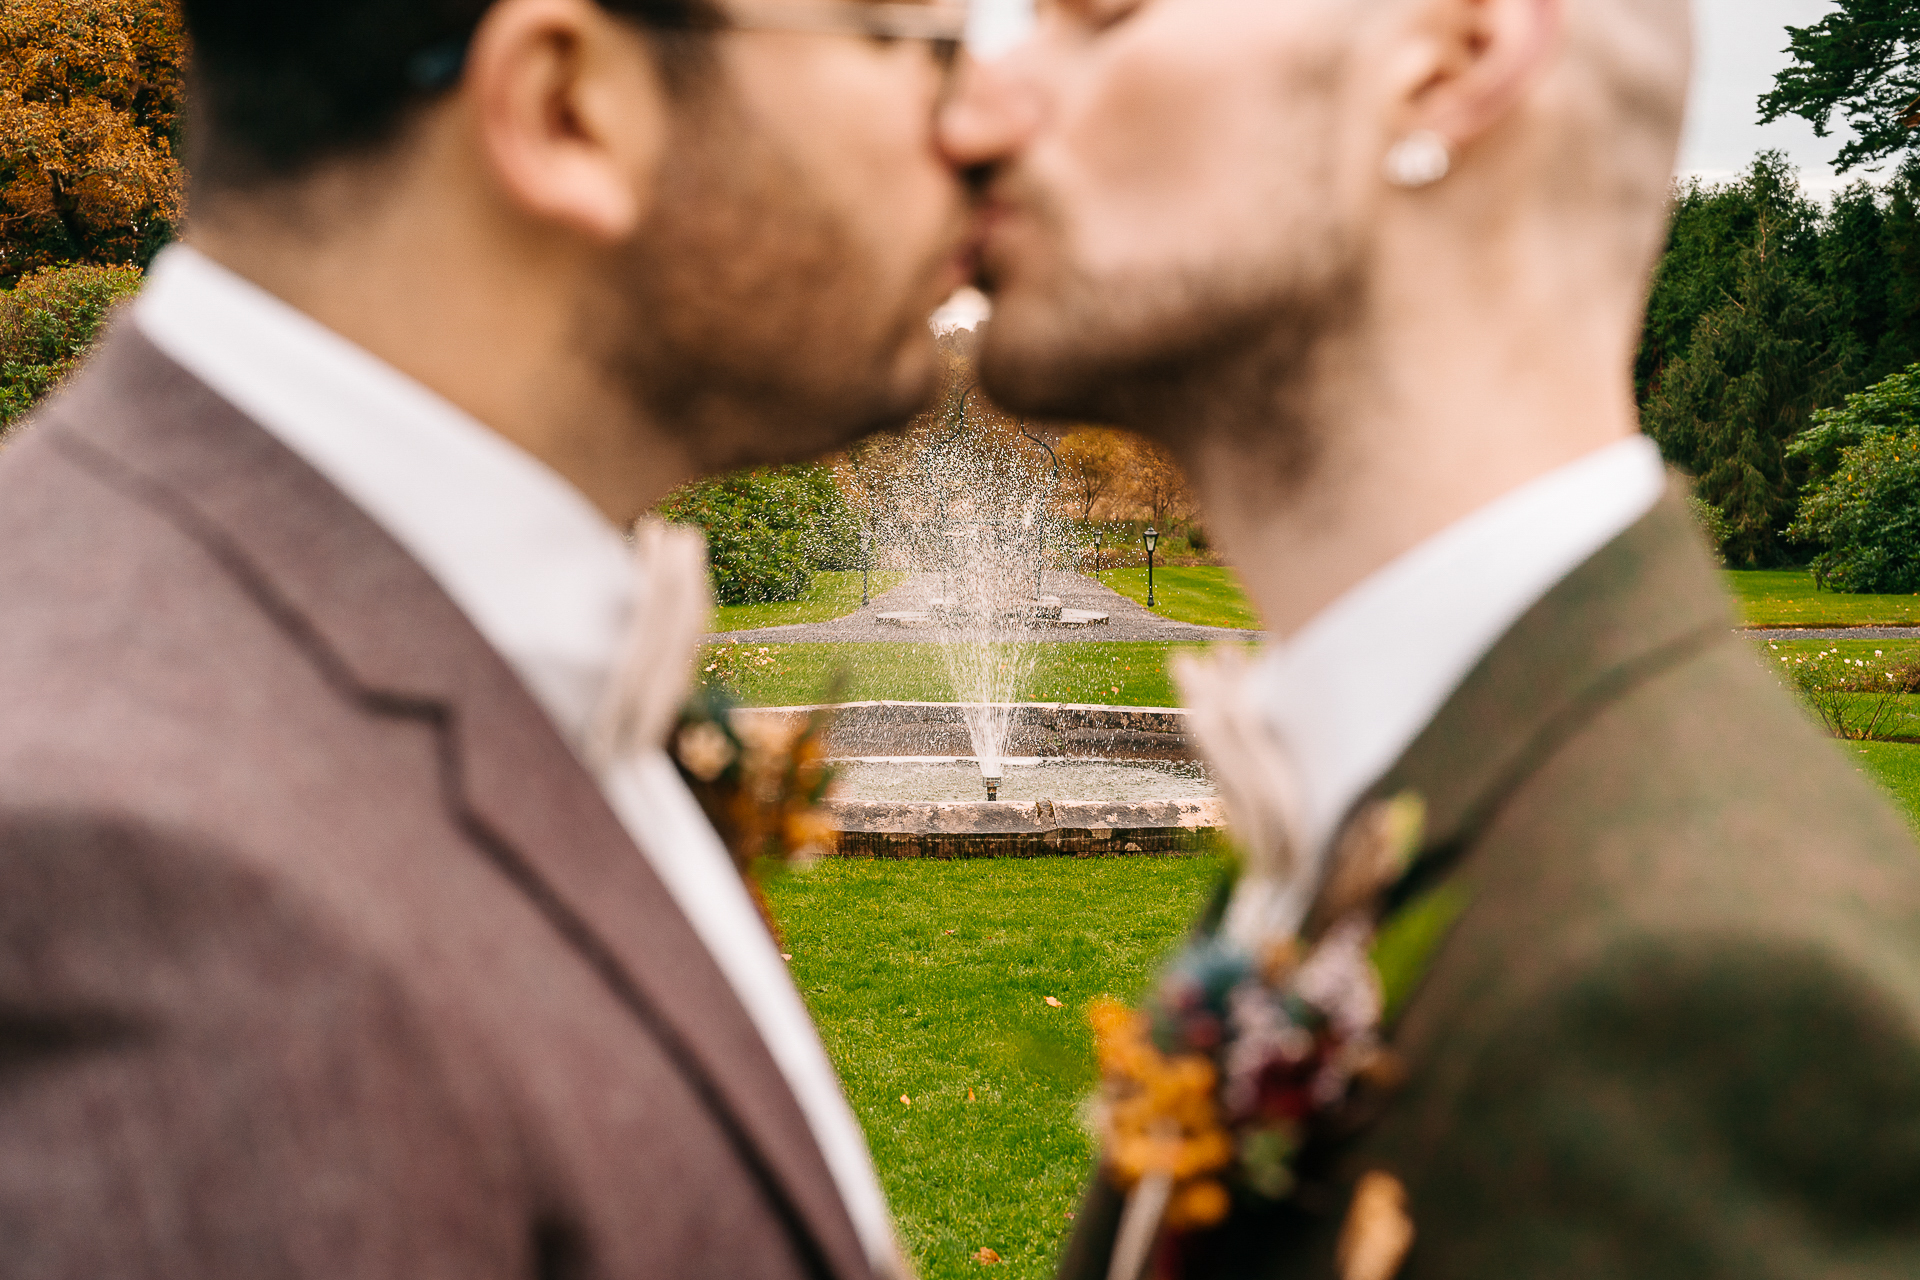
[
  {"x": 1896, "y": 767},
  {"x": 1204, "y": 596},
  {"x": 835, "y": 594},
  {"x": 1788, "y": 598},
  {"x": 1114, "y": 674},
  {"x": 930, "y": 979}
]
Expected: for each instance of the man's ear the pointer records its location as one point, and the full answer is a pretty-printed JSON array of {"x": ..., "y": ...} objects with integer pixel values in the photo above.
[
  {"x": 571, "y": 113},
  {"x": 1477, "y": 59}
]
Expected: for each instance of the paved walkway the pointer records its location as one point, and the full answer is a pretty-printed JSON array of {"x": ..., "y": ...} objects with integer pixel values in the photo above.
[
  {"x": 1127, "y": 620},
  {"x": 1833, "y": 633}
]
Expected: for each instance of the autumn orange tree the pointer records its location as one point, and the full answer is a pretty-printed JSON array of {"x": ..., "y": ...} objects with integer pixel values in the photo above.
[{"x": 90, "y": 116}]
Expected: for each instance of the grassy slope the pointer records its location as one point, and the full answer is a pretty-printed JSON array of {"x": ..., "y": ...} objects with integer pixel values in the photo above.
[
  {"x": 835, "y": 594},
  {"x": 1130, "y": 674},
  {"x": 929, "y": 979},
  {"x": 1787, "y": 597},
  {"x": 1206, "y": 597}
]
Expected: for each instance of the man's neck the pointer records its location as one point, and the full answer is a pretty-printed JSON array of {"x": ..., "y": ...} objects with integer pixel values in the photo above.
[{"x": 1387, "y": 441}]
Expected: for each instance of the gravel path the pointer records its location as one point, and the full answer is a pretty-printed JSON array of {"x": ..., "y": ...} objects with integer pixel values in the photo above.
[
  {"x": 1833, "y": 633},
  {"x": 1127, "y": 620}
]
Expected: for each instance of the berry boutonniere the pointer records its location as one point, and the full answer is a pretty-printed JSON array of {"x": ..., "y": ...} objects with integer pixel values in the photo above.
[
  {"x": 762, "y": 781},
  {"x": 1251, "y": 1046}
]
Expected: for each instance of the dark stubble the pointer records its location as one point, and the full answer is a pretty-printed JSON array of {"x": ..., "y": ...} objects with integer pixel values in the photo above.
[
  {"x": 1227, "y": 358},
  {"x": 744, "y": 317}
]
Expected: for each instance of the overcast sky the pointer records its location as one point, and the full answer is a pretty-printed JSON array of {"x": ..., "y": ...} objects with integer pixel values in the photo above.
[{"x": 1738, "y": 46}]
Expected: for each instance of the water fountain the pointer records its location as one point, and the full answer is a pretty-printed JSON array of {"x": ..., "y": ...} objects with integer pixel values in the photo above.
[
  {"x": 961, "y": 505},
  {"x": 964, "y": 509}
]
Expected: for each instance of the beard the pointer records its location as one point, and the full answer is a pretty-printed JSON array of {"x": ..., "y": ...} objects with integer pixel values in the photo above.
[
  {"x": 746, "y": 317},
  {"x": 1191, "y": 357}
]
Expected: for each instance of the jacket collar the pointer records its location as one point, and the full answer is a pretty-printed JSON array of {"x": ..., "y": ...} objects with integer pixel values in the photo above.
[
  {"x": 385, "y": 636},
  {"x": 1646, "y": 601}
]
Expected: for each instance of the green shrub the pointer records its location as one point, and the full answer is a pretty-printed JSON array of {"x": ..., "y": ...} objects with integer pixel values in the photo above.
[
  {"x": 47, "y": 323},
  {"x": 1712, "y": 524},
  {"x": 1850, "y": 695},
  {"x": 1867, "y": 516},
  {"x": 1889, "y": 405},
  {"x": 768, "y": 530}
]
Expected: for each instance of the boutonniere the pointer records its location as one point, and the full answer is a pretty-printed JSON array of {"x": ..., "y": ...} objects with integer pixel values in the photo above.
[
  {"x": 1254, "y": 1044},
  {"x": 762, "y": 781}
]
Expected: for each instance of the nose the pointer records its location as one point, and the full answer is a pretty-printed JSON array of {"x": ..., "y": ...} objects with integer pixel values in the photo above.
[{"x": 991, "y": 112}]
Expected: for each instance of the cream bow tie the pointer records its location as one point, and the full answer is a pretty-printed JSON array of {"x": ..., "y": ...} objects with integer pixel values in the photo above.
[
  {"x": 672, "y": 607},
  {"x": 1258, "y": 785}
]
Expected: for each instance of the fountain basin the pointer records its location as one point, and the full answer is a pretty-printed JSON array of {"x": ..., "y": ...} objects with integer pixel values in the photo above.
[{"x": 1054, "y": 750}]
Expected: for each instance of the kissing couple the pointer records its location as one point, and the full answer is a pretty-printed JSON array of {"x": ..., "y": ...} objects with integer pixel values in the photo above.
[{"x": 353, "y": 923}]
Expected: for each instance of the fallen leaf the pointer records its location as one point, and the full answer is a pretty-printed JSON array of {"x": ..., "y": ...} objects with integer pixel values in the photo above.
[
  {"x": 1055, "y": 1003},
  {"x": 1069, "y": 1215},
  {"x": 905, "y": 1099},
  {"x": 985, "y": 1256},
  {"x": 951, "y": 932},
  {"x": 969, "y": 1093},
  {"x": 786, "y": 955}
]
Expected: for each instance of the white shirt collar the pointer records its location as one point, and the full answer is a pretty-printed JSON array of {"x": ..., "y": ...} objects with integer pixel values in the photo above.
[
  {"x": 543, "y": 576},
  {"x": 1353, "y": 688}
]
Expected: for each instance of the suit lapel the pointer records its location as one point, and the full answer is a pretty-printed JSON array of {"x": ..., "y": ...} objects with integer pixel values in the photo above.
[
  {"x": 1645, "y": 601},
  {"x": 386, "y": 636}
]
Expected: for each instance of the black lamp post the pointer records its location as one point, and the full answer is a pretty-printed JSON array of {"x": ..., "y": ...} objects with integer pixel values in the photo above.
[
  {"x": 866, "y": 558},
  {"x": 1152, "y": 538},
  {"x": 1097, "y": 536}
]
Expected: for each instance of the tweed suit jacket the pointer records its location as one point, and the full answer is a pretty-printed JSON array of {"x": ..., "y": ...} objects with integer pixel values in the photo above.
[
  {"x": 320, "y": 953},
  {"x": 1674, "y": 1030}
]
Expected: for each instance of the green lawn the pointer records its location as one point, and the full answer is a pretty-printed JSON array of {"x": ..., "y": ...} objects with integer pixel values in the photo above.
[
  {"x": 1118, "y": 674},
  {"x": 1787, "y": 598},
  {"x": 1205, "y": 597},
  {"x": 1895, "y": 766},
  {"x": 1211, "y": 597},
  {"x": 930, "y": 979},
  {"x": 835, "y": 594}
]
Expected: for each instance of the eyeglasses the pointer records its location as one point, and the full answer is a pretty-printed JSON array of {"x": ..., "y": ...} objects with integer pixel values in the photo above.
[{"x": 941, "y": 26}]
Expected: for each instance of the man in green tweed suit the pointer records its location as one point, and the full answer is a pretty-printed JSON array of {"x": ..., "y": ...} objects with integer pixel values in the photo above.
[{"x": 1375, "y": 269}]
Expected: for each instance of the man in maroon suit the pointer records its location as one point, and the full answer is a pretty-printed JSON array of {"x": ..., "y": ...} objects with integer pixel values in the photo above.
[{"x": 336, "y": 936}]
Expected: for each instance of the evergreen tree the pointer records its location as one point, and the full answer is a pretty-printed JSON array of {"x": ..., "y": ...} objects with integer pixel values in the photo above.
[
  {"x": 1756, "y": 367},
  {"x": 1863, "y": 61},
  {"x": 1710, "y": 227}
]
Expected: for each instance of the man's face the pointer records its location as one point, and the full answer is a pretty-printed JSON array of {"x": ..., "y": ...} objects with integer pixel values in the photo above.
[
  {"x": 775, "y": 305},
  {"x": 1172, "y": 183}
]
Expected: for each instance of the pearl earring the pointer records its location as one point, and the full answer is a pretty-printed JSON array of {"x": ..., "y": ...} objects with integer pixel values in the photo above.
[{"x": 1420, "y": 159}]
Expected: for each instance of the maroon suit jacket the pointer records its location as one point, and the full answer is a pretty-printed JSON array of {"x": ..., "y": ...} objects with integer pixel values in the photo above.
[{"x": 320, "y": 954}]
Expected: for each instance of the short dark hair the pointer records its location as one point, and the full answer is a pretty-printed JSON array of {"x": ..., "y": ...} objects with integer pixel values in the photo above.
[{"x": 278, "y": 85}]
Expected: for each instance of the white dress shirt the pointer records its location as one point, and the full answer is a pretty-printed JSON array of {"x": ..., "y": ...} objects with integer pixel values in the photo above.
[
  {"x": 543, "y": 576},
  {"x": 1351, "y": 690}
]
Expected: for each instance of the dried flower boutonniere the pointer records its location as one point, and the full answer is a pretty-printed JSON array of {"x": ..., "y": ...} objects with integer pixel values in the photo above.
[
  {"x": 1250, "y": 1046},
  {"x": 762, "y": 781}
]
